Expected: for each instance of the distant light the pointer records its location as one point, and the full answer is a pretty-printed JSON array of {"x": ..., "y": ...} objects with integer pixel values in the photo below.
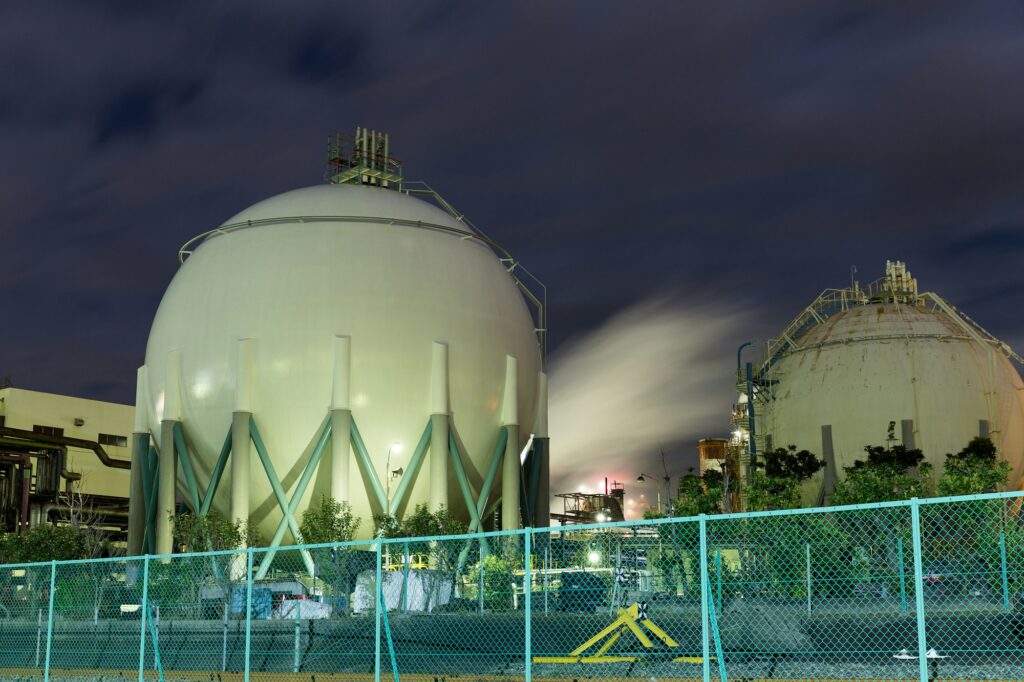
[
  {"x": 396, "y": 448},
  {"x": 594, "y": 557},
  {"x": 601, "y": 518}
]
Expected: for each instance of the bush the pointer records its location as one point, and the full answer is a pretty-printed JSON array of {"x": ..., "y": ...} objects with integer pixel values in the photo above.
[{"x": 498, "y": 578}]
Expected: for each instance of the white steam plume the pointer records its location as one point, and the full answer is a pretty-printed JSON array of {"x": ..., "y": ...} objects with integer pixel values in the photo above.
[{"x": 654, "y": 373}]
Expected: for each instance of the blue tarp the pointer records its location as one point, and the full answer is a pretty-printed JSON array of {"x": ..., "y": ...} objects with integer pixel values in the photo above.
[{"x": 262, "y": 602}]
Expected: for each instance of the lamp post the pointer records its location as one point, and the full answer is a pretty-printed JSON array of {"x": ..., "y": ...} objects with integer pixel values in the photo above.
[{"x": 642, "y": 478}]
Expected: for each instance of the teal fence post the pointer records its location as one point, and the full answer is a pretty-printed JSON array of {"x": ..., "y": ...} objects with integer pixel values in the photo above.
[
  {"x": 705, "y": 594},
  {"x": 807, "y": 569},
  {"x": 718, "y": 578},
  {"x": 903, "y": 577},
  {"x": 143, "y": 611},
  {"x": 1002, "y": 566},
  {"x": 719, "y": 654},
  {"x": 377, "y": 638},
  {"x": 49, "y": 622},
  {"x": 922, "y": 640},
  {"x": 527, "y": 597},
  {"x": 405, "y": 578},
  {"x": 298, "y": 637},
  {"x": 248, "y": 611}
]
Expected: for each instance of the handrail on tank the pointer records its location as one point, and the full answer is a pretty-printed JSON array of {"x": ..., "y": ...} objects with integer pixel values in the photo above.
[{"x": 525, "y": 284}]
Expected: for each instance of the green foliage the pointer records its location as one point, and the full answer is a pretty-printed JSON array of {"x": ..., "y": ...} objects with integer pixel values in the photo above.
[
  {"x": 887, "y": 474},
  {"x": 46, "y": 542},
  {"x": 328, "y": 521},
  {"x": 212, "y": 532},
  {"x": 975, "y": 469},
  {"x": 780, "y": 472},
  {"x": 497, "y": 582},
  {"x": 700, "y": 494},
  {"x": 420, "y": 523}
]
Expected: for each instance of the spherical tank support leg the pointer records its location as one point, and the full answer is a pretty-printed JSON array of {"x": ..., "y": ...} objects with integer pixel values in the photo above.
[
  {"x": 438, "y": 461},
  {"x": 241, "y": 452},
  {"x": 341, "y": 419},
  {"x": 341, "y": 453},
  {"x": 510, "y": 473},
  {"x": 439, "y": 424},
  {"x": 137, "y": 495},
  {"x": 166, "y": 489}
]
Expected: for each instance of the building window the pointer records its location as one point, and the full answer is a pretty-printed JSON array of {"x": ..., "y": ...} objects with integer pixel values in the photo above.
[
  {"x": 117, "y": 441},
  {"x": 48, "y": 430}
]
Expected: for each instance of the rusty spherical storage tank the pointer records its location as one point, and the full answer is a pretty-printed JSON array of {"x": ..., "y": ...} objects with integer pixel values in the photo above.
[{"x": 886, "y": 364}]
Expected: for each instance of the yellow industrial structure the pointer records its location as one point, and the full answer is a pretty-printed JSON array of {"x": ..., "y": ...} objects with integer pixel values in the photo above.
[{"x": 54, "y": 445}]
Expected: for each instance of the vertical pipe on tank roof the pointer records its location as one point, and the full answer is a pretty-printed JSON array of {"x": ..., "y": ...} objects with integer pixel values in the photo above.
[
  {"x": 241, "y": 440},
  {"x": 341, "y": 419},
  {"x": 167, "y": 487},
  {"x": 439, "y": 424},
  {"x": 510, "y": 484},
  {"x": 140, "y": 447},
  {"x": 365, "y": 160}
]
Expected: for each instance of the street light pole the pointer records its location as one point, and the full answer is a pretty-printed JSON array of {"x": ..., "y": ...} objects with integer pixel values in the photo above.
[
  {"x": 666, "y": 481},
  {"x": 642, "y": 478}
]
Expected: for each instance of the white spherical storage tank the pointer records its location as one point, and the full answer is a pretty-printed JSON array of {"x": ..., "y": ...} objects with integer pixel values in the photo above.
[
  {"x": 335, "y": 305},
  {"x": 891, "y": 366}
]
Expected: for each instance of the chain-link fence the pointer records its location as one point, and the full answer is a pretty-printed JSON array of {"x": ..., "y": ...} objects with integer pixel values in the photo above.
[{"x": 917, "y": 590}]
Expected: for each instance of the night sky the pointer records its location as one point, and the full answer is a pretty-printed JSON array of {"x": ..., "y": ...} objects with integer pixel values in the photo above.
[{"x": 684, "y": 176}]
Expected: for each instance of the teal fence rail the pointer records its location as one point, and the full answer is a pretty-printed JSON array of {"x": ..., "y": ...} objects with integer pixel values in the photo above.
[{"x": 917, "y": 590}]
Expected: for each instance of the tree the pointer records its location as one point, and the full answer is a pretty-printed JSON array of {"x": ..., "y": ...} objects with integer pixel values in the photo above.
[
  {"x": 44, "y": 542},
  {"x": 421, "y": 522},
  {"x": 887, "y": 474},
  {"x": 175, "y": 584},
  {"x": 328, "y": 521},
  {"x": 497, "y": 578},
  {"x": 701, "y": 494},
  {"x": 212, "y": 532},
  {"x": 975, "y": 469},
  {"x": 332, "y": 521},
  {"x": 778, "y": 476}
]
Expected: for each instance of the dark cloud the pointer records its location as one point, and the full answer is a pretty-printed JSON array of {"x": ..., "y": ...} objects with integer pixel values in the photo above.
[
  {"x": 726, "y": 152},
  {"x": 137, "y": 109}
]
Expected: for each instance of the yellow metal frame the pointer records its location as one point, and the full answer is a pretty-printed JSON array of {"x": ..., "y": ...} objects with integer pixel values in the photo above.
[{"x": 628, "y": 620}]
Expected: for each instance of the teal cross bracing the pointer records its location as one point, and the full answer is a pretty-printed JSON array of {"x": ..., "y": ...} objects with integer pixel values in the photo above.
[
  {"x": 288, "y": 517},
  {"x": 411, "y": 471},
  {"x": 288, "y": 512}
]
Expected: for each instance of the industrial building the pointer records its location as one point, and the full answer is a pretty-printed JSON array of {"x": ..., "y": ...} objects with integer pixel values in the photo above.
[
  {"x": 52, "y": 446},
  {"x": 880, "y": 364},
  {"x": 360, "y": 339}
]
